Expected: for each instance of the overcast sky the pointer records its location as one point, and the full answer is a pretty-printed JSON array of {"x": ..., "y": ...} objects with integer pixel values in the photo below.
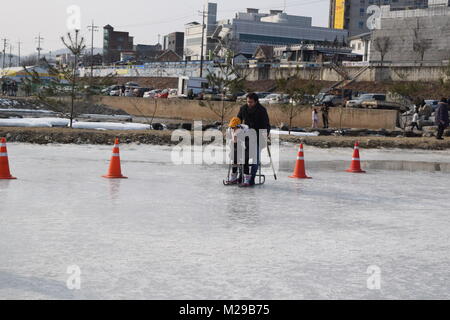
[{"x": 144, "y": 19}]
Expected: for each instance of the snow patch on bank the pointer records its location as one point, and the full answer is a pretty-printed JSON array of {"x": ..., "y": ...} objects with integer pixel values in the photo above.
[
  {"x": 35, "y": 122},
  {"x": 297, "y": 134},
  {"x": 58, "y": 122}
]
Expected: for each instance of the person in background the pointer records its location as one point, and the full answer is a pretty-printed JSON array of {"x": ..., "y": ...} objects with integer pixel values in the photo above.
[
  {"x": 442, "y": 120},
  {"x": 325, "y": 114},
  {"x": 315, "y": 119},
  {"x": 415, "y": 121}
]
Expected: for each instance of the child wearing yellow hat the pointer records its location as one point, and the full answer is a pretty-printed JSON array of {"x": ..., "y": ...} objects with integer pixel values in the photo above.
[{"x": 235, "y": 128}]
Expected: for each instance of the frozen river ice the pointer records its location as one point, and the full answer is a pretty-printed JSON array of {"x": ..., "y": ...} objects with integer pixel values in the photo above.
[{"x": 175, "y": 232}]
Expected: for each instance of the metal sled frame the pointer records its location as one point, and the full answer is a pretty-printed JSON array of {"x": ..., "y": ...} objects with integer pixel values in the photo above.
[{"x": 260, "y": 179}]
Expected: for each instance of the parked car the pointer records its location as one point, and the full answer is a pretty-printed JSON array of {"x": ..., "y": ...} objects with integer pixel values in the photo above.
[
  {"x": 152, "y": 93},
  {"x": 108, "y": 90},
  {"x": 139, "y": 92},
  {"x": 432, "y": 103},
  {"x": 261, "y": 95},
  {"x": 368, "y": 97},
  {"x": 132, "y": 85},
  {"x": 332, "y": 100},
  {"x": 275, "y": 98},
  {"x": 164, "y": 94},
  {"x": 115, "y": 92},
  {"x": 307, "y": 99},
  {"x": 173, "y": 93}
]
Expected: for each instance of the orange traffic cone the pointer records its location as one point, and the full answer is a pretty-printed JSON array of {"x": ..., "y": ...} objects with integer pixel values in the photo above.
[
  {"x": 299, "y": 172},
  {"x": 115, "y": 171},
  {"x": 4, "y": 163},
  {"x": 356, "y": 161}
]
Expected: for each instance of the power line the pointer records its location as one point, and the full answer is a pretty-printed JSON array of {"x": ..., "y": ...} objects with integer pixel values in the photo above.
[{"x": 5, "y": 42}]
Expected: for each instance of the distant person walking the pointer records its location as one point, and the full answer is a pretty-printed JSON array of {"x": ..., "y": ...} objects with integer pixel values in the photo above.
[
  {"x": 325, "y": 115},
  {"x": 14, "y": 89},
  {"x": 442, "y": 120},
  {"x": 315, "y": 119},
  {"x": 415, "y": 121}
]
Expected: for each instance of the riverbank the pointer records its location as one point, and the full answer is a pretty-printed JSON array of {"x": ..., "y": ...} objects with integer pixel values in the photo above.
[{"x": 82, "y": 136}]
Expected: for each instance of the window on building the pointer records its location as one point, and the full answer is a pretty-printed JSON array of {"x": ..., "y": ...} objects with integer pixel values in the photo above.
[
  {"x": 359, "y": 46},
  {"x": 386, "y": 1},
  {"x": 362, "y": 12},
  {"x": 361, "y": 24}
]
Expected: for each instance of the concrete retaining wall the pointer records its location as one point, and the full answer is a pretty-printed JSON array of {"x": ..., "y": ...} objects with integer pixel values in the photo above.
[{"x": 193, "y": 110}]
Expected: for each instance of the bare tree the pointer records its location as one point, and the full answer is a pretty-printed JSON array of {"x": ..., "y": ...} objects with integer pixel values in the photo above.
[
  {"x": 301, "y": 96},
  {"x": 29, "y": 61},
  {"x": 383, "y": 45},
  {"x": 76, "y": 46},
  {"x": 227, "y": 81}
]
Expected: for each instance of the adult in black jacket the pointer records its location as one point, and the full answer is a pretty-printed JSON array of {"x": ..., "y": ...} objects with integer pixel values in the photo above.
[
  {"x": 442, "y": 119},
  {"x": 254, "y": 115}
]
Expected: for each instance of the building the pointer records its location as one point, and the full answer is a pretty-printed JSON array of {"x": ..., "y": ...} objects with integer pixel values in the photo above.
[
  {"x": 115, "y": 42},
  {"x": 193, "y": 35},
  {"x": 356, "y": 17},
  {"x": 251, "y": 29},
  {"x": 147, "y": 53},
  {"x": 169, "y": 56},
  {"x": 315, "y": 53},
  {"x": 65, "y": 59},
  {"x": 413, "y": 35},
  {"x": 174, "y": 42},
  {"x": 361, "y": 45}
]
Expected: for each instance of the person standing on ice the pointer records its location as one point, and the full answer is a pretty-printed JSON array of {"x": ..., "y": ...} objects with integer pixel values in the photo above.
[
  {"x": 255, "y": 116},
  {"x": 235, "y": 128},
  {"x": 442, "y": 119}
]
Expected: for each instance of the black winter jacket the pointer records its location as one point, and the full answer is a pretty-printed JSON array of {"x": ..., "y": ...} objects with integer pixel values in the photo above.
[{"x": 256, "y": 118}]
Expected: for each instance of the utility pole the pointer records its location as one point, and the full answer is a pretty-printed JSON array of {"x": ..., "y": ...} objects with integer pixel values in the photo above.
[
  {"x": 93, "y": 28},
  {"x": 18, "y": 46},
  {"x": 39, "y": 49},
  {"x": 5, "y": 42},
  {"x": 203, "y": 42},
  {"x": 10, "y": 55}
]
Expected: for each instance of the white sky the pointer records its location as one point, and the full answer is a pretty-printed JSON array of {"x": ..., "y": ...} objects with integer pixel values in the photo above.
[{"x": 23, "y": 20}]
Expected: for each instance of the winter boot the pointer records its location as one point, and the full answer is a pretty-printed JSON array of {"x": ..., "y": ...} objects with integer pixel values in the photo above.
[
  {"x": 247, "y": 181},
  {"x": 233, "y": 179}
]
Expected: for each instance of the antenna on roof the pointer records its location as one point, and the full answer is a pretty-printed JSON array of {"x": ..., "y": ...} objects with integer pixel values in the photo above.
[{"x": 284, "y": 7}]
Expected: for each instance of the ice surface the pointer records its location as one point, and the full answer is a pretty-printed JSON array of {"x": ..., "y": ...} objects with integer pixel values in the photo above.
[{"x": 176, "y": 232}]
